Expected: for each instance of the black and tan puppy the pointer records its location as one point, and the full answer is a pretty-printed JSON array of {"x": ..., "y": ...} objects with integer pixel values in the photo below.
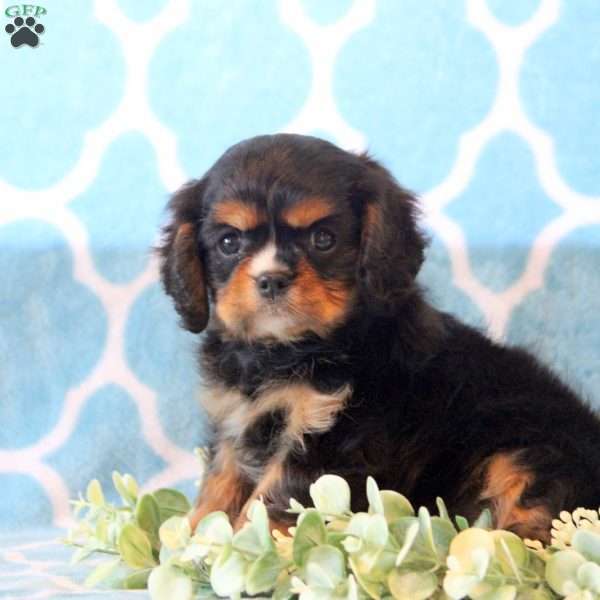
[{"x": 321, "y": 354}]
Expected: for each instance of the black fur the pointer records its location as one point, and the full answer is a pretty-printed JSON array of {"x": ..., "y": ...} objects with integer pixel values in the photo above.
[{"x": 432, "y": 399}]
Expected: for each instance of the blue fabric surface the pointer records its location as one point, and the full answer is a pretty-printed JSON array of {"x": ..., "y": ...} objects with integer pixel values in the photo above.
[{"x": 489, "y": 110}]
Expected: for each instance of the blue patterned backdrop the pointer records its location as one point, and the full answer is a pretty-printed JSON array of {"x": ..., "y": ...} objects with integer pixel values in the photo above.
[{"x": 489, "y": 109}]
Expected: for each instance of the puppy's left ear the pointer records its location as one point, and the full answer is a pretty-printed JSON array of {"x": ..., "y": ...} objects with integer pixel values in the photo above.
[
  {"x": 182, "y": 270},
  {"x": 392, "y": 245}
]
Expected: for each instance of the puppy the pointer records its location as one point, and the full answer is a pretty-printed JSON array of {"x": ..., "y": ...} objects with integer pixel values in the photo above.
[{"x": 321, "y": 354}]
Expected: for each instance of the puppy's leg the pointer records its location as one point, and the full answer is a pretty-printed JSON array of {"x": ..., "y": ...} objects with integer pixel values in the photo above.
[
  {"x": 506, "y": 483},
  {"x": 223, "y": 488},
  {"x": 270, "y": 480}
]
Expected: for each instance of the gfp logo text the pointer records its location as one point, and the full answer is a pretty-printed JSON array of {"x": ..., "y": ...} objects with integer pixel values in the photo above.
[{"x": 25, "y": 10}]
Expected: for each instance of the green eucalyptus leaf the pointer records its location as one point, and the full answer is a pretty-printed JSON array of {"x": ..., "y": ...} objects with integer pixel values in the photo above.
[
  {"x": 373, "y": 589},
  {"x": 503, "y": 592},
  {"x": 126, "y": 487},
  {"x": 538, "y": 593},
  {"x": 113, "y": 531},
  {"x": 372, "y": 529},
  {"x": 460, "y": 585},
  {"x": 102, "y": 572},
  {"x": 352, "y": 589},
  {"x": 337, "y": 539},
  {"x": 351, "y": 544},
  {"x": 82, "y": 553},
  {"x": 228, "y": 573},
  {"x": 428, "y": 541},
  {"x": 102, "y": 525},
  {"x": 331, "y": 495},
  {"x": 94, "y": 493},
  {"x": 374, "y": 562},
  {"x": 168, "y": 583},
  {"x": 409, "y": 539},
  {"x": 166, "y": 554},
  {"x": 468, "y": 551},
  {"x": 399, "y": 528},
  {"x": 310, "y": 532},
  {"x": 442, "y": 509},
  {"x": 137, "y": 580},
  {"x": 470, "y": 554},
  {"x": 373, "y": 495},
  {"x": 325, "y": 567},
  {"x": 411, "y": 586},
  {"x": 480, "y": 558},
  {"x": 443, "y": 532},
  {"x": 484, "y": 520},
  {"x": 395, "y": 506},
  {"x": 248, "y": 540},
  {"x": 259, "y": 519},
  {"x": 588, "y": 577},
  {"x": 135, "y": 547},
  {"x": 213, "y": 529},
  {"x": 511, "y": 553},
  {"x": 455, "y": 585},
  {"x": 425, "y": 530},
  {"x": 131, "y": 486},
  {"x": 171, "y": 503},
  {"x": 263, "y": 573},
  {"x": 562, "y": 568},
  {"x": 587, "y": 543},
  {"x": 175, "y": 532},
  {"x": 461, "y": 523},
  {"x": 283, "y": 587},
  {"x": 147, "y": 516},
  {"x": 194, "y": 552}
]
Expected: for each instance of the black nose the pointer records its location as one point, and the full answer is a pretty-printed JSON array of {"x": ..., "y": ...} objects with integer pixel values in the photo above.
[{"x": 273, "y": 284}]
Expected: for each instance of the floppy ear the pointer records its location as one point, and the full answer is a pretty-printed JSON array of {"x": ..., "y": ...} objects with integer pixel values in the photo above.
[
  {"x": 181, "y": 267},
  {"x": 391, "y": 243}
]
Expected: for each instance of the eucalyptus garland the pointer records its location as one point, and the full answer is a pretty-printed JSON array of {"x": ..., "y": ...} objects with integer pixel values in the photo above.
[{"x": 391, "y": 551}]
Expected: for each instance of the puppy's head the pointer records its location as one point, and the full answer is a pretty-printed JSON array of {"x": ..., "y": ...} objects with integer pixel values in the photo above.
[{"x": 288, "y": 235}]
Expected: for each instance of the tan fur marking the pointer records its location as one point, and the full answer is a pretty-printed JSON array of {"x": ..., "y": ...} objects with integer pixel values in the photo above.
[
  {"x": 505, "y": 483},
  {"x": 221, "y": 489},
  {"x": 308, "y": 411},
  {"x": 238, "y": 214},
  {"x": 271, "y": 477},
  {"x": 238, "y": 300},
  {"x": 311, "y": 411},
  {"x": 306, "y": 212},
  {"x": 320, "y": 304},
  {"x": 220, "y": 402}
]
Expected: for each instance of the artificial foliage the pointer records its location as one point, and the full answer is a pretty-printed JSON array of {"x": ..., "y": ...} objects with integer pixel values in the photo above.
[{"x": 391, "y": 551}]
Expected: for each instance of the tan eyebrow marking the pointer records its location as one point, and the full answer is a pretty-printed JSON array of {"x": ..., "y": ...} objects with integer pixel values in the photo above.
[
  {"x": 238, "y": 214},
  {"x": 306, "y": 212}
]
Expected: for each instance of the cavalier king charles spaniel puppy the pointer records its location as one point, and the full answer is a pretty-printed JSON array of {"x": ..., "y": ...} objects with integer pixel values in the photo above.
[{"x": 320, "y": 353}]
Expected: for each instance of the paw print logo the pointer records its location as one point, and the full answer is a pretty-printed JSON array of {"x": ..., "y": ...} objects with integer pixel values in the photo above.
[{"x": 24, "y": 32}]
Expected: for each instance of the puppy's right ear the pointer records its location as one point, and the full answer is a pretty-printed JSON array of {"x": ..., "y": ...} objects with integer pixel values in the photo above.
[{"x": 181, "y": 264}]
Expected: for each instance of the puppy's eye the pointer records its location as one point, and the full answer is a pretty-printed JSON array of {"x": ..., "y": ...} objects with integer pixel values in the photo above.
[
  {"x": 230, "y": 243},
  {"x": 323, "y": 239}
]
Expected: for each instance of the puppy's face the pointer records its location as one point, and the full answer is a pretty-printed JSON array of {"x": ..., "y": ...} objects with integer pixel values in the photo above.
[
  {"x": 284, "y": 236},
  {"x": 283, "y": 268}
]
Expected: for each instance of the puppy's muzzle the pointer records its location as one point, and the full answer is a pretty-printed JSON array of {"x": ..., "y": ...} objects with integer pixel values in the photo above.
[{"x": 273, "y": 284}]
